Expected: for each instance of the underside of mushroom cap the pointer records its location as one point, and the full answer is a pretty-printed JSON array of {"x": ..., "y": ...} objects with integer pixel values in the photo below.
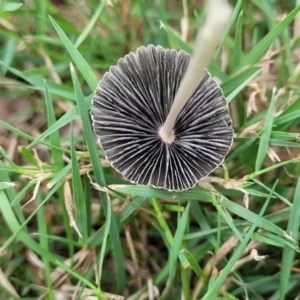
[{"x": 130, "y": 105}]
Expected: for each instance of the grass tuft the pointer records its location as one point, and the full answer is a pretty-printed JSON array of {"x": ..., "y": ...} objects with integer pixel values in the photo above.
[{"x": 234, "y": 236}]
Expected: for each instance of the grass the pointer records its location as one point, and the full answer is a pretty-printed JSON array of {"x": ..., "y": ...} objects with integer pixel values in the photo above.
[{"x": 70, "y": 225}]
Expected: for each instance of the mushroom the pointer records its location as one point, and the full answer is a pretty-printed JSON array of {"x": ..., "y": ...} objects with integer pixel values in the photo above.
[{"x": 160, "y": 117}]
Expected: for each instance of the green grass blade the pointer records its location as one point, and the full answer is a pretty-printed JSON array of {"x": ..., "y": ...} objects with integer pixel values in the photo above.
[
  {"x": 251, "y": 217},
  {"x": 218, "y": 205},
  {"x": 175, "y": 37},
  {"x": 274, "y": 240},
  {"x": 10, "y": 7},
  {"x": 44, "y": 242},
  {"x": 104, "y": 243},
  {"x": 238, "y": 80},
  {"x": 287, "y": 118},
  {"x": 233, "y": 18},
  {"x": 22, "y": 194},
  {"x": 78, "y": 59},
  {"x": 211, "y": 293},
  {"x": 238, "y": 43},
  {"x": 201, "y": 219},
  {"x": 38, "y": 83},
  {"x": 242, "y": 85},
  {"x": 28, "y": 156},
  {"x": 29, "y": 137},
  {"x": 54, "y": 136},
  {"x": 193, "y": 262},
  {"x": 11, "y": 194},
  {"x": 256, "y": 53},
  {"x": 164, "y": 228},
  {"x": 288, "y": 253},
  {"x": 78, "y": 195},
  {"x": 267, "y": 8},
  {"x": 99, "y": 174},
  {"x": 90, "y": 25},
  {"x": 6, "y": 185},
  {"x": 240, "y": 149},
  {"x": 272, "y": 167},
  {"x": 176, "y": 244},
  {"x": 8, "y": 54},
  {"x": 148, "y": 191},
  {"x": 14, "y": 226},
  {"x": 64, "y": 120},
  {"x": 87, "y": 128},
  {"x": 294, "y": 106},
  {"x": 288, "y": 52},
  {"x": 265, "y": 135},
  {"x": 122, "y": 216},
  {"x": 59, "y": 177}
]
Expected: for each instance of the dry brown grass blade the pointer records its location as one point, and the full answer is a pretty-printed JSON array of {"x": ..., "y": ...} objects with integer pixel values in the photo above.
[
  {"x": 70, "y": 206},
  {"x": 58, "y": 273},
  {"x": 297, "y": 32},
  {"x": 134, "y": 256},
  {"x": 252, "y": 256},
  {"x": 7, "y": 284},
  {"x": 48, "y": 62},
  {"x": 87, "y": 293},
  {"x": 185, "y": 24},
  {"x": 151, "y": 294},
  {"x": 225, "y": 249}
]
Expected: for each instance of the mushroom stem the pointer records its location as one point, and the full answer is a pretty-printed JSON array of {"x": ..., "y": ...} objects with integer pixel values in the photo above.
[{"x": 217, "y": 17}]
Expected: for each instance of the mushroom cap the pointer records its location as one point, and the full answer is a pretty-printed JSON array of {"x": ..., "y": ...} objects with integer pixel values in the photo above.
[{"x": 130, "y": 105}]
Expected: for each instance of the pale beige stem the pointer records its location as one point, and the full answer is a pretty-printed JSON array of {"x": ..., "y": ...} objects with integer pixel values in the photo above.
[
  {"x": 296, "y": 32},
  {"x": 217, "y": 17}
]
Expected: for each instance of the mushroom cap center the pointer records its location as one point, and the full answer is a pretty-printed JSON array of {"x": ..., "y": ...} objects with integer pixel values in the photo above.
[{"x": 165, "y": 137}]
